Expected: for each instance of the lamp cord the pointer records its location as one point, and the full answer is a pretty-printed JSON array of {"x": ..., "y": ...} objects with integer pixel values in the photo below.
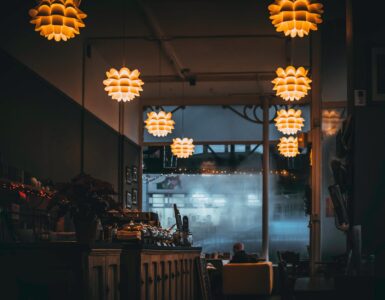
[
  {"x": 183, "y": 109},
  {"x": 124, "y": 32},
  {"x": 160, "y": 69}
]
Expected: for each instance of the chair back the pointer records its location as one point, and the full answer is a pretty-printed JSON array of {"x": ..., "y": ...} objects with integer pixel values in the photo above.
[{"x": 248, "y": 279}]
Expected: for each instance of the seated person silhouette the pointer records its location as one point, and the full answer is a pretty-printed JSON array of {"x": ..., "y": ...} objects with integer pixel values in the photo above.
[{"x": 240, "y": 256}]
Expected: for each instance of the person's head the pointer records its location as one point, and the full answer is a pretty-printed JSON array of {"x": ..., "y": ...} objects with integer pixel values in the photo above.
[{"x": 238, "y": 247}]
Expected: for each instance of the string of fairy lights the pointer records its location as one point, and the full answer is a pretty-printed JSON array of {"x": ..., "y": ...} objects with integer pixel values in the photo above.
[
  {"x": 61, "y": 20},
  {"x": 207, "y": 172}
]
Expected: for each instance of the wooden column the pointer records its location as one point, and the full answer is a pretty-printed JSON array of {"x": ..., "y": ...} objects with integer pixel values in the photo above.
[
  {"x": 316, "y": 133},
  {"x": 266, "y": 172}
]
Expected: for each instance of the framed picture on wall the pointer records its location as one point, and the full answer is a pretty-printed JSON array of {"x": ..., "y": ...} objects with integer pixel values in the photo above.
[
  {"x": 128, "y": 175},
  {"x": 134, "y": 174},
  {"x": 134, "y": 196},
  {"x": 128, "y": 203},
  {"x": 378, "y": 74}
]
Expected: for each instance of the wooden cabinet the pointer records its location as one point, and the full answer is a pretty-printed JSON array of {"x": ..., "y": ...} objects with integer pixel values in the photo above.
[
  {"x": 104, "y": 274},
  {"x": 154, "y": 274},
  {"x": 59, "y": 271}
]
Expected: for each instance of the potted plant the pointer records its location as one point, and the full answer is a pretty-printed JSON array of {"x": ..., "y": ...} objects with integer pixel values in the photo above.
[{"x": 86, "y": 199}]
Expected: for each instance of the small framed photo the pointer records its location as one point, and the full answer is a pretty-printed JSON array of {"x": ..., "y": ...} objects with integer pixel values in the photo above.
[
  {"x": 378, "y": 74},
  {"x": 134, "y": 196},
  {"x": 128, "y": 175},
  {"x": 128, "y": 203},
  {"x": 134, "y": 174}
]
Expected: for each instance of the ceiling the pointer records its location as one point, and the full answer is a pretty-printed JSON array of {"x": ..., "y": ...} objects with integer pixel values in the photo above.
[{"x": 185, "y": 49}]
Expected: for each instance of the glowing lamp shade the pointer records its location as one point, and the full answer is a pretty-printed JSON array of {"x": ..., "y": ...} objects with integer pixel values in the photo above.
[
  {"x": 331, "y": 122},
  {"x": 288, "y": 146},
  {"x": 57, "y": 19},
  {"x": 182, "y": 148},
  {"x": 123, "y": 85},
  {"x": 291, "y": 83},
  {"x": 289, "y": 121},
  {"x": 295, "y": 17},
  {"x": 159, "y": 124}
]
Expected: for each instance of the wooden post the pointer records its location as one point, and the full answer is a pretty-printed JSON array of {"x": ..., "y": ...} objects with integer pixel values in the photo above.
[
  {"x": 316, "y": 133},
  {"x": 266, "y": 172}
]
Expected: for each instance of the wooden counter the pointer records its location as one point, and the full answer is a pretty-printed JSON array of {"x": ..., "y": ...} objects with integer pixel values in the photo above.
[
  {"x": 68, "y": 270},
  {"x": 164, "y": 273}
]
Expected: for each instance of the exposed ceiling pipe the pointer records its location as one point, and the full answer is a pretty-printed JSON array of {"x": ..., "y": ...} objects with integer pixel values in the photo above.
[
  {"x": 166, "y": 46},
  {"x": 188, "y": 37},
  {"x": 256, "y": 76}
]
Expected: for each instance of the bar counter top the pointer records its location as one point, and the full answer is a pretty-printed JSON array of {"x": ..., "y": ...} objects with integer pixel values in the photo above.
[{"x": 97, "y": 245}]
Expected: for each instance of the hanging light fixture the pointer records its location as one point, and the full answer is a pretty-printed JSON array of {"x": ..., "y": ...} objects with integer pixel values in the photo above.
[
  {"x": 289, "y": 121},
  {"x": 58, "y": 19},
  {"x": 182, "y": 148},
  {"x": 331, "y": 122},
  {"x": 295, "y": 17},
  {"x": 288, "y": 146},
  {"x": 291, "y": 83},
  {"x": 123, "y": 85},
  {"x": 159, "y": 124}
]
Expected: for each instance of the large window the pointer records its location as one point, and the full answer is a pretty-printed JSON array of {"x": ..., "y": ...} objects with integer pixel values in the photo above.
[{"x": 220, "y": 187}]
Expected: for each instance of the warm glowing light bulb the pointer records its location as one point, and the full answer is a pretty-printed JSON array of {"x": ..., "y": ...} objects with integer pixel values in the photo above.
[
  {"x": 291, "y": 83},
  {"x": 182, "y": 148},
  {"x": 288, "y": 146},
  {"x": 57, "y": 19},
  {"x": 159, "y": 124},
  {"x": 289, "y": 121},
  {"x": 123, "y": 85},
  {"x": 295, "y": 17}
]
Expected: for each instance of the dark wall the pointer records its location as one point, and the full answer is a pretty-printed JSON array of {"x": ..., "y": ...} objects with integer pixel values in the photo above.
[
  {"x": 369, "y": 178},
  {"x": 369, "y": 143},
  {"x": 40, "y": 131}
]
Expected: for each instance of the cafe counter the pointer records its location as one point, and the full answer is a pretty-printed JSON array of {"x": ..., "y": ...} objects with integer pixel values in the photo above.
[{"x": 68, "y": 270}]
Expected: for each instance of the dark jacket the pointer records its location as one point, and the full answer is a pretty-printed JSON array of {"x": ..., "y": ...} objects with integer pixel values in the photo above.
[{"x": 242, "y": 257}]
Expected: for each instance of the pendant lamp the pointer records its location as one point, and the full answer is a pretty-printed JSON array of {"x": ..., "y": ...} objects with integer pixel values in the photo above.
[
  {"x": 58, "y": 20},
  {"x": 123, "y": 85},
  {"x": 289, "y": 121},
  {"x": 291, "y": 83},
  {"x": 295, "y": 17},
  {"x": 288, "y": 146}
]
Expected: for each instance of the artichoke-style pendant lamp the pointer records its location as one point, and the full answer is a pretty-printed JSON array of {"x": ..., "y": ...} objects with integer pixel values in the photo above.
[
  {"x": 123, "y": 85},
  {"x": 289, "y": 121},
  {"x": 291, "y": 83},
  {"x": 182, "y": 148},
  {"x": 295, "y": 17},
  {"x": 288, "y": 146},
  {"x": 159, "y": 124},
  {"x": 331, "y": 122},
  {"x": 58, "y": 19}
]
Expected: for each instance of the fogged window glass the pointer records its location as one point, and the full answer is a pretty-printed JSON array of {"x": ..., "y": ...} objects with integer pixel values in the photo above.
[
  {"x": 222, "y": 209},
  {"x": 289, "y": 180}
]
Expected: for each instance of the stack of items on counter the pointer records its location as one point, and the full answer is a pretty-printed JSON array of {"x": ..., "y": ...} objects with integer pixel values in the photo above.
[{"x": 144, "y": 227}]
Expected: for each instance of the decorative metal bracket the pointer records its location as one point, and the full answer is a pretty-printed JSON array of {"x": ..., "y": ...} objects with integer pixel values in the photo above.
[{"x": 249, "y": 113}]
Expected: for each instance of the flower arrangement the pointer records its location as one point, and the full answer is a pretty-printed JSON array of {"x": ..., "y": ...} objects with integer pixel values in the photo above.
[{"x": 84, "y": 197}]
